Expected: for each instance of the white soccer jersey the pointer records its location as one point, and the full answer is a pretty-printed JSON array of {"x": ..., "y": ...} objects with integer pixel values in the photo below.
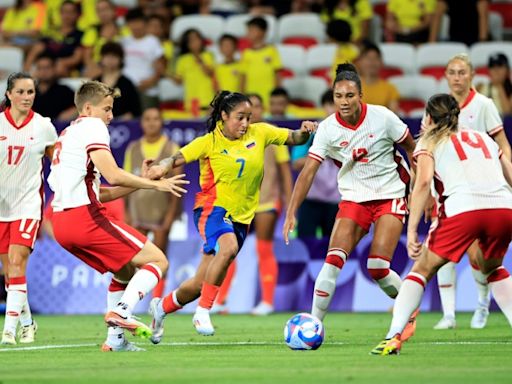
[
  {"x": 468, "y": 174},
  {"x": 22, "y": 150},
  {"x": 479, "y": 114},
  {"x": 370, "y": 166},
  {"x": 73, "y": 177}
]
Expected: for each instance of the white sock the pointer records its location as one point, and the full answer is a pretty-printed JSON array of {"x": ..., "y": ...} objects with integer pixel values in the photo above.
[
  {"x": 446, "y": 278},
  {"x": 26, "y": 314},
  {"x": 115, "y": 335},
  {"x": 501, "y": 287},
  {"x": 325, "y": 283},
  {"x": 379, "y": 269},
  {"x": 16, "y": 299},
  {"x": 407, "y": 301},
  {"x": 484, "y": 297},
  {"x": 144, "y": 280}
]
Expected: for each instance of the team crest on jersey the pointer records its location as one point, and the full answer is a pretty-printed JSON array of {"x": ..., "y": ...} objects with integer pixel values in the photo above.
[
  {"x": 250, "y": 145},
  {"x": 343, "y": 144},
  {"x": 227, "y": 221}
]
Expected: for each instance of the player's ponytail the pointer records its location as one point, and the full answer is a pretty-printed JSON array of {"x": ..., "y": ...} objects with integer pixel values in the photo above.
[
  {"x": 347, "y": 71},
  {"x": 224, "y": 101},
  {"x": 11, "y": 82},
  {"x": 444, "y": 111}
]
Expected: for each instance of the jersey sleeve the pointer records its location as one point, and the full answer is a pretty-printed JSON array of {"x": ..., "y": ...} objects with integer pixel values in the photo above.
[
  {"x": 271, "y": 133},
  {"x": 493, "y": 122},
  {"x": 197, "y": 148},
  {"x": 397, "y": 129},
  {"x": 282, "y": 154},
  {"x": 320, "y": 147},
  {"x": 96, "y": 136},
  {"x": 421, "y": 149},
  {"x": 50, "y": 132},
  {"x": 276, "y": 59}
]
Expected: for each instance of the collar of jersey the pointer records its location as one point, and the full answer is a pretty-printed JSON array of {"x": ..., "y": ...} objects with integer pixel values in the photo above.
[
  {"x": 470, "y": 97},
  {"x": 9, "y": 118},
  {"x": 343, "y": 123},
  {"x": 218, "y": 132}
]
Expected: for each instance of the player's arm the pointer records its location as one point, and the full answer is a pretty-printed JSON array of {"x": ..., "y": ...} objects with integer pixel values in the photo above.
[
  {"x": 301, "y": 136},
  {"x": 48, "y": 152},
  {"x": 165, "y": 166},
  {"x": 408, "y": 144},
  {"x": 300, "y": 190},
  {"x": 483, "y": 19},
  {"x": 116, "y": 176},
  {"x": 285, "y": 176},
  {"x": 441, "y": 9},
  {"x": 501, "y": 139},
  {"x": 507, "y": 169},
  {"x": 419, "y": 199}
]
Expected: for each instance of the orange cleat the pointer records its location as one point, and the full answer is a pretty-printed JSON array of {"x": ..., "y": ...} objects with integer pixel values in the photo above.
[{"x": 410, "y": 328}]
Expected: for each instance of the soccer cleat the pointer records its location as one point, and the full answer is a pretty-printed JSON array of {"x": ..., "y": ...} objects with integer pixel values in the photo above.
[
  {"x": 221, "y": 309},
  {"x": 446, "y": 323},
  {"x": 137, "y": 328},
  {"x": 125, "y": 346},
  {"x": 203, "y": 324},
  {"x": 388, "y": 347},
  {"x": 27, "y": 333},
  {"x": 262, "y": 309},
  {"x": 8, "y": 338},
  {"x": 410, "y": 327},
  {"x": 157, "y": 324},
  {"x": 479, "y": 319}
]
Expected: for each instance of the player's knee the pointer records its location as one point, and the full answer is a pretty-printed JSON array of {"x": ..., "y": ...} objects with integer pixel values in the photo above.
[{"x": 164, "y": 266}]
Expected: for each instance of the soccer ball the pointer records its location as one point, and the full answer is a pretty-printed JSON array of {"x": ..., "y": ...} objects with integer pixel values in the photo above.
[{"x": 303, "y": 331}]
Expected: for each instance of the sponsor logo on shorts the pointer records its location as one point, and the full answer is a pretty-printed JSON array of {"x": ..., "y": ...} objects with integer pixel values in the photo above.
[{"x": 227, "y": 221}]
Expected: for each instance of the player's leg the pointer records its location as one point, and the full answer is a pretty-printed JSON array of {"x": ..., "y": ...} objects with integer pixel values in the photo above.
[
  {"x": 500, "y": 283},
  {"x": 220, "y": 302},
  {"x": 446, "y": 281},
  {"x": 345, "y": 235},
  {"x": 161, "y": 240},
  {"x": 479, "y": 319},
  {"x": 265, "y": 224}
]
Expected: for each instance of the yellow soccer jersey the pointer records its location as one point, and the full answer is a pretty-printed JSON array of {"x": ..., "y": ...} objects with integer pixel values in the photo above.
[
  {"x": 363, "y": 11},
  {"x": 410, "y": 12},
  {"x": 231, "y": 170},
  {"x": 196, "y": 83},
  {"x": 228, "y": 76},
  {"x": 32, "y": 18},
  {"x": 259, "y": 67}
]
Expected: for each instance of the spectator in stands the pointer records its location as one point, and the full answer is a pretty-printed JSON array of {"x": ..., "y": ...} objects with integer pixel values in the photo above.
[
  {"x": 357, "y": 13},
  {"x": 144, "y": 62},
  {"x": 52, "y": 100},
  {"x": 376, "y": 90},
  {"x": 87, "y": 9},
  {"x": 151, "y": 210},
  {"x": 469, "y": 20},
  {"x": 187, "y": 7},
  {"x": 195, "y": 69},
  {"x": 318, "y": 212},
  {"x": 23, "y": 23},
  {"x": 409, "y": 21},
  {"x": 94, "y": 37},
  {"x": 500, "y": 87},
  {"x": 64, "y": 44},
  {"x": 277, "y": 8},
  {"x": 228, "y": 73},
  {"x": 111, "y": 64},
  {"x": 158, "y": 27},
  {"x": 261, "y": 62},
  {"x": 279, "y": 101},
  {"x": 340, "y": 32}
]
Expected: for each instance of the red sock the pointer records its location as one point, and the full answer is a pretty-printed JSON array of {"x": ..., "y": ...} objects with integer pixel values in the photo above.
[
  {"x": 170, "y": 303},
  {"x": 158, "y": 291},
  {"x": 226, "y": 284},
  {"x": 268, "y": 270},
  {"x": 208, "y": 295}
]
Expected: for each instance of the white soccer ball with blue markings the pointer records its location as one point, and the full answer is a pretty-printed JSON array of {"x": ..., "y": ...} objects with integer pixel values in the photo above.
[{"x": 304, "y": 331}]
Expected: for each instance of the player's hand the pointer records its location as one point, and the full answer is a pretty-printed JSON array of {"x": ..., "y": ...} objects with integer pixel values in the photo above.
[
  {"x": 156, "y": 172},
  {"x": 145, "y": 167},
  {"x": 414, "y": 247},
  {"x": 309, "y": 126},
  {"x": 172, "y": 185},
  {"x": 289, "y": 226}
]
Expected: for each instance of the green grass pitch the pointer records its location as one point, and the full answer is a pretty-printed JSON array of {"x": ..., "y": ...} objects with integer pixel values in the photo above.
[{"x": 248, "y": 349}]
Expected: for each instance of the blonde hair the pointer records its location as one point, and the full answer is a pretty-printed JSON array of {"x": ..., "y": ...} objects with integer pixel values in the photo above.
[
  {"x": 464, "y": 57},
  {"x": 93, "y": 92},
  {"x": 444, "y": 112}
]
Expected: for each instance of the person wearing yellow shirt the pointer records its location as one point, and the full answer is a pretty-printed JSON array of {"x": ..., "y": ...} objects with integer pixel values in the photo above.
[
  {"x": 340, "y": 33},
  {"x": 231, "y": 159},
  {"x": 88, "y": 16},
  {"x": 151, "y": 210},
  {"x": 408, "y": 21},
  {"x": 22, "y": 24},
  {"x": 228, "y": 74},
  {"x": 261, "y": 62},
  {"x": 195, "y": 69},
  {"x": 357, "y": 13},
  {"x": 377, "y": 91},
  {"x": 158, "y": 27}
]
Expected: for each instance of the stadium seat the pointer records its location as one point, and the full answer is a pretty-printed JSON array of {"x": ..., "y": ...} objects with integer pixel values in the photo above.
[
  {"x": 3, "y": 86},
  {"x": 293, "y": 58},
  {"x": 73, "y": 82},
  {"x": 496, "y": 26},
  {"x": 128, "y": 4},
  {"x": 305, "y": 29},
  {"x": 236, "y": 25},
  {"x": 478, "y": 79},
  {"x": 431, "y": 58},
  {"x": 7, "y": 3},
  {"x": 305, "y": 91},
  {"x": 170, "y": 94},
  {"x": 398, "y": 59},
  {"x": 504, "y": 8},
  {"x": 210, "y": 26},
  {"x": 319, "y": 60},
  {"x": 12, "y": 59},
  {"x": 480, "y": 52},
  {"x": 414, "y": 91}
]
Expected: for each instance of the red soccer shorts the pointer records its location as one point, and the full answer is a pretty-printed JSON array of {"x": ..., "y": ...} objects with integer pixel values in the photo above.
[
  {"x": 97, "y": 239},
  {"x": 366, "y": 213},
  {"x": 450, "y": 237},
  {"x": 19, "y": 232}
]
